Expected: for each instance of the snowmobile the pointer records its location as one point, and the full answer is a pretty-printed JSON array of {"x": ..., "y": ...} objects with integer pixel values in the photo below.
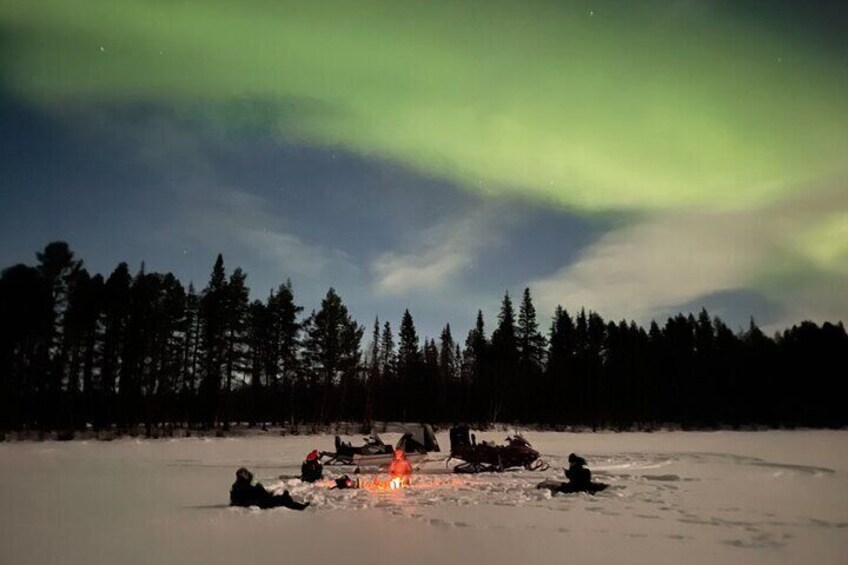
[
  {"x": 416, "y": 442},
  {"x": 486, "y": 457}
]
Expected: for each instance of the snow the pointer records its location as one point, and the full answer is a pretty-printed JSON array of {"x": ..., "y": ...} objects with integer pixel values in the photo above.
[{"x": 695, "y": 497}]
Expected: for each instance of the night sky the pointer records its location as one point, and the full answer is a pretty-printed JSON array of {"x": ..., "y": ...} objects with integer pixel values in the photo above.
[{"x": 636, "y": 158}]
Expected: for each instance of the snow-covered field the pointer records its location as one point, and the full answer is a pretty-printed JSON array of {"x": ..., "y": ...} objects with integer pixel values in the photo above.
[{"x": 675, "y": 497}]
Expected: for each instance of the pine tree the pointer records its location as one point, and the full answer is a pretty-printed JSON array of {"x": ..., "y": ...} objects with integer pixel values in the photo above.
[
  {"x": 432, "y": 388},
  {"x": 331, "y": 350},
  {"x": 531, "y": 358},
  {"x": 236, "y": 304},
  {"x": 214, "y": 344},
  {"x": 114, "y": 327},
  {"x": 80, "y": 337},
  {"x": 388, "y": 357},
  {"x": 191, "y": 349},
  {"x": 560, "y": 371},
  {"x": 476, "y": 369},
  {"x": 409, "y": 369},
  {"x": 283, "y": 363},
  {"x": 449, "y": 378},
  {"x": 373, "y": 383},
  {"x": 505, "y": 356},
  {"x": 389, "y": 394},
  {"x": 59, "y": 269}
]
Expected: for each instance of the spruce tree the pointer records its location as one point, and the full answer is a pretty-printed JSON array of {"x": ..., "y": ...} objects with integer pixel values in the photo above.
[
  {"x": 331, "y": 351},
  {"x": 531, "y": 358},
  {"x": 476, "y": 369},
  {"x": 409, "y": 369},
  {"x": 214, "y": 343},
  {"x": 236, "y": 305},
  {"x": 59, "y": 268},
  {"x": 504, "y": 388},
  {"x": 389, "y": 393},
  {"x": 449, "y": 378}
]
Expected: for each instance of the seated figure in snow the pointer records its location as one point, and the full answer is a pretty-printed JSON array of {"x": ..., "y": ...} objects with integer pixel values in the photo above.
[
  {"x": 245, "y": 493},
  {"x": 577, "y": 473},
  {"x": 311, "y": 470},
  {"x": 400, "y": 468},
  {"x": 345, "y": 482},
  {"x": 579, "y": 479}
]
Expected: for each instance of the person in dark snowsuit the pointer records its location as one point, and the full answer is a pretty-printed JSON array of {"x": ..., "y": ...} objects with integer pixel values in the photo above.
[
  {"x": 577, "y": 473},
  {"x": 245, "y": 493},
  {"x": 311, "y": 470},
  {"x": 579, "y": 479},
  {"x": 345, "y": 482}
]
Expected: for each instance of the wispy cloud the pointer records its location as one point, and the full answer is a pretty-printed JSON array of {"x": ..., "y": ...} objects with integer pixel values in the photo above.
[
  {"x": 438, "y": 257},
  {"x": 664, "y": 261},
  {"x": 214, "y": 215}
]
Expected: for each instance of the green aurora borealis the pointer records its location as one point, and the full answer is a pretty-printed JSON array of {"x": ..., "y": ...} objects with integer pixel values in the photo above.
[{"x": 645, "y": 109}]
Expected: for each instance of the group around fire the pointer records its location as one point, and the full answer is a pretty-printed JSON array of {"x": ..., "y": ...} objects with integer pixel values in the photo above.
[{"x": 486, "y": 456}]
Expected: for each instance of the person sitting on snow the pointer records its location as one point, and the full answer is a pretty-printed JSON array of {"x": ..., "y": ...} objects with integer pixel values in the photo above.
[
  {"x": 345, "y": 482},
  {"x": 577, "y": 473},
  {"x": 245, "y": 493},
  {"x": 400, "y": 468},
  {"x": 579, "y": 479},
  {"x": 311, "y": 470}
]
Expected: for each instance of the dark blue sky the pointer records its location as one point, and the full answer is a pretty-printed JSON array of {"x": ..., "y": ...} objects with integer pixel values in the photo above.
[
  {"x": 141, "y": 184},
  {"x": 636, "y": 159}
]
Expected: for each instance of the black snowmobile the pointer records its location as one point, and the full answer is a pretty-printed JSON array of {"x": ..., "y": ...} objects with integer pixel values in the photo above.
[{"x": 487, "y": 457}]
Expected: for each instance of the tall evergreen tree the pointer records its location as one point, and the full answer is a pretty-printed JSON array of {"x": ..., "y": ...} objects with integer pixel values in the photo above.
[
  {"x": 83, "y": 323},
  {"x": 561, "y": 379},
  {"x": 213, "y": 311},
  {"x": 449, "y": 376},
  {"x": 59, "y": 269},
  {"x": 331, "y": 351},
  {"x": 191, "y": 348},
  {"x": 529, "y": 388},
  {"x": 258, "y": 341},
  {"x": 389, "y": 393},
  {"x": 116, "y": 312},
  {"x": 409, "y": 371},
  {"x": 432, "y": 389},
  {"x": 373, "y": 382},
  {"x": 283, "y": 362},
  {"x": 236, "y": 306},
  {"x": 388, "y": 356},
  {"x": 505, "y": 386},
  {"x": 476, "y": 369}
]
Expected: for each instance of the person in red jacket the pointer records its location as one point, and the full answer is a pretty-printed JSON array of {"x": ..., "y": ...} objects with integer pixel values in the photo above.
[
  {"x": 312, "y": 470},
  {"x": 400, "y": 468}
]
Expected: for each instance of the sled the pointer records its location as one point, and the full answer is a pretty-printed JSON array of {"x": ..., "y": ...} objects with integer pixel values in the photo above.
[
  {"x": 487, "y": 457},
  {"x": 416, "y": 442}
]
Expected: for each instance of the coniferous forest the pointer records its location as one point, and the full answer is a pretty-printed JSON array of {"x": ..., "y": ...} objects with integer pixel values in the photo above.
[{"x": 81, "y": 350}]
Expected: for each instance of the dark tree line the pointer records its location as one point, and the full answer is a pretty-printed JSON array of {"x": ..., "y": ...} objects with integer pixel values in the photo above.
[{"x": 79, "y": 350}]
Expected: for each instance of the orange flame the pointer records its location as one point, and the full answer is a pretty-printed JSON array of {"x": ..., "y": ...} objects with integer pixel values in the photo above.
[{"x": 384, "y": 484}]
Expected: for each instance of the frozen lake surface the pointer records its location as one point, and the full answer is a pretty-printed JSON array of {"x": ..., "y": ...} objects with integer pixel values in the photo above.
[{"x": 675, "y": 497}]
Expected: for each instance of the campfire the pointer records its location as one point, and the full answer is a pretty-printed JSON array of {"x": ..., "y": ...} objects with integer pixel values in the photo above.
[
  {"x": 400, "y": 472},
  {"x": 383, "y": 484}
]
